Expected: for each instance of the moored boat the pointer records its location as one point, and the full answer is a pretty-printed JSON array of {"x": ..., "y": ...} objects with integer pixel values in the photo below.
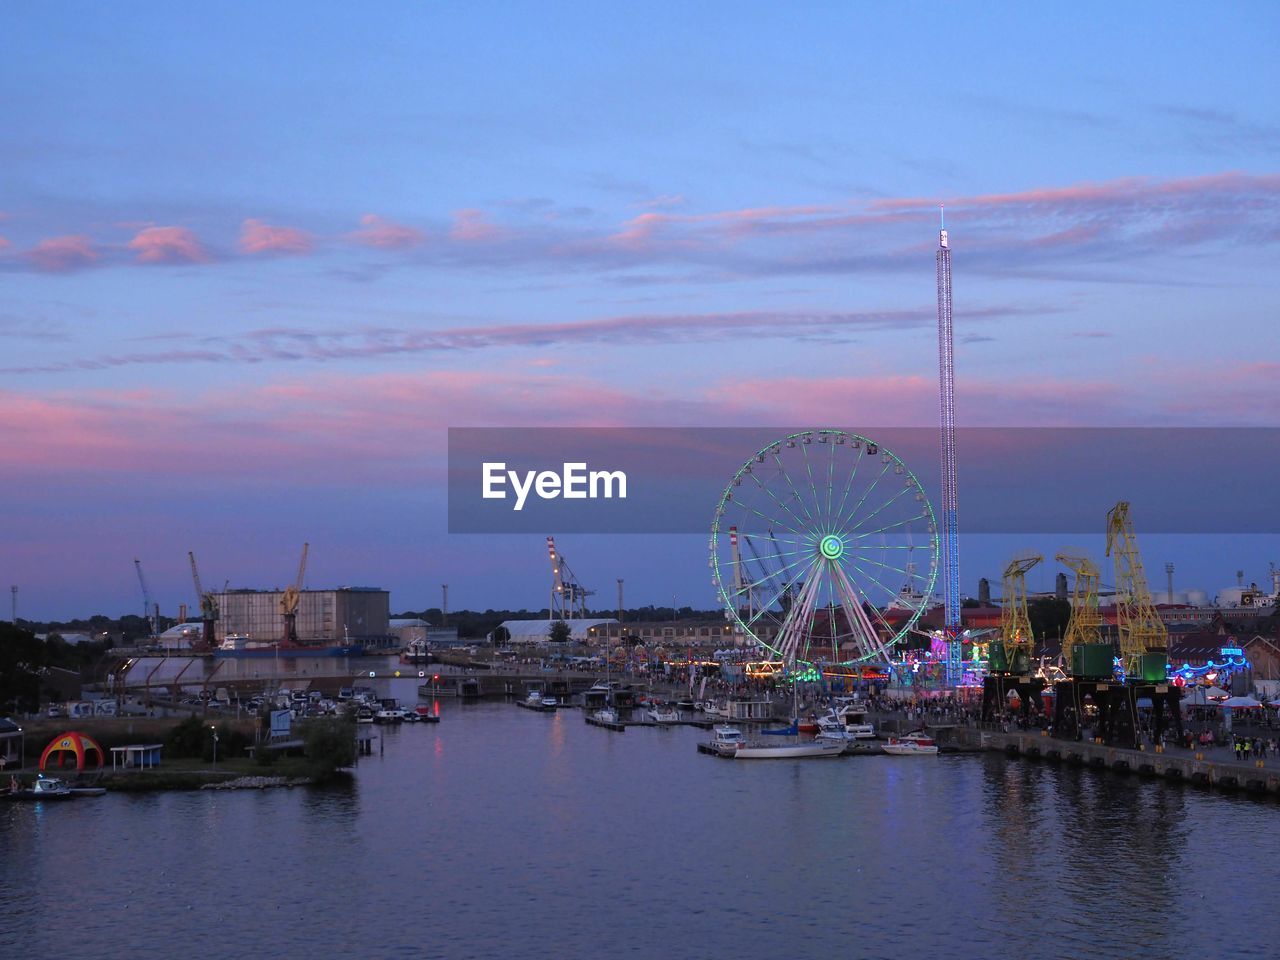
[
  {"x": 51, "y": 788},
  {"x": 729, "y": 741},
  {"x": 663, "y": 713},
  {"x": 916, "y": 744}
]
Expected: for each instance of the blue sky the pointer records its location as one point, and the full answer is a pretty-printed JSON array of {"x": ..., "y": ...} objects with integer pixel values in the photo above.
[{"x": 257, "y": 259}]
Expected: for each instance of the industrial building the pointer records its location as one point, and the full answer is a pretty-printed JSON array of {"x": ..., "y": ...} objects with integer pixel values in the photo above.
[{"x": 324, "y": 616}]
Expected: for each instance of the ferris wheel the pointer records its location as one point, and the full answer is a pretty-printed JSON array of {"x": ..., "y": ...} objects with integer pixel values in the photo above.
[{"x": 824, "y": 549}]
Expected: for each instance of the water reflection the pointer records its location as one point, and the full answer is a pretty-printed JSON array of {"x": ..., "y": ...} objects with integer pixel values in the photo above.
[{"x": 540, "y": 831}]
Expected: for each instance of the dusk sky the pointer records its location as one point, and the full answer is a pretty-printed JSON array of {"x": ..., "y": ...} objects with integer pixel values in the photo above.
[{"x": 256, "y": 259}]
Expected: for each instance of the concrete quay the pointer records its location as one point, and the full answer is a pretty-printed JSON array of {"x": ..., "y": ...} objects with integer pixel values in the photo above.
[{"x": 1216, "y": 770}]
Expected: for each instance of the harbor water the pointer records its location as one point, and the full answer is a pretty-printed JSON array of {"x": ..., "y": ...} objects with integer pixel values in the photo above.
[{"x": 504, "y": 833}]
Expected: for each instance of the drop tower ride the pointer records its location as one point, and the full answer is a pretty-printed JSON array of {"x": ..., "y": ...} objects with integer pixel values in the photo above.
[{"x": 947, "y": 410}]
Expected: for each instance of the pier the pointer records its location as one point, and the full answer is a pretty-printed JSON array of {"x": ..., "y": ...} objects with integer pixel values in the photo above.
[{"x": 1197, "y": 767}]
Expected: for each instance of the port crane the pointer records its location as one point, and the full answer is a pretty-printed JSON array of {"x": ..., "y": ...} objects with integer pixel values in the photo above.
[
  {"x": 208, "y": 609},
  {"x": 1009, "y": 659},
  {"x": 1015, "y": 619},
  {"x": 150, "y": 614},
  {"x": 1085, "y": 625},
  {"x": 290, "y": 600},
  {"x": 1139, "y": 626},
  {"x": 568, "y": 595}
]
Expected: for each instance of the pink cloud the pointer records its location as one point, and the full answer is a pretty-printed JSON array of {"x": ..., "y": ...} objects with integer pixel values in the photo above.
[
  {"x": 63, "y": 254},
  {"x": 386, "y": 234},
  {"x": 473, "y": 226},
  {"x": 168, "y": 245},
  {"x": 4, "y": 243},
  {"x": 257, "y": 237}
]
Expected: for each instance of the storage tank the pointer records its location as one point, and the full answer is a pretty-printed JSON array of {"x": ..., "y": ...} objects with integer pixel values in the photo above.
[
  {"x": 1197, "y": 598},
  {"x": 1230, "y": 596}
]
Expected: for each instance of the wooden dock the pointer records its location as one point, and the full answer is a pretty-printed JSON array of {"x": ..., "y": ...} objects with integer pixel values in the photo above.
[{"x": 1252, "y": 777}]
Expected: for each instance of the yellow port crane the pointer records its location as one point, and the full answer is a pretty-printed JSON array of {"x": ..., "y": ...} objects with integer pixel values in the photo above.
[
  {"x": 1138, "y": 624},
  {"x": 1085, "y": 625},
  {"x": 1015, "y": 620},
  {"x": 290, "y": 600}
]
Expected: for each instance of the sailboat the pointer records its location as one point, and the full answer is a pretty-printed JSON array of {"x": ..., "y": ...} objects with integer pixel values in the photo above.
[
  {"x": 729, "y": 742},
  {"x": 607, "y": 713}
]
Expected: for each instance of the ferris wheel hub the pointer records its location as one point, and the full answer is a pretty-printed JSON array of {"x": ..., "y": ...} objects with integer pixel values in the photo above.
[{"x": 831, "y": 547}]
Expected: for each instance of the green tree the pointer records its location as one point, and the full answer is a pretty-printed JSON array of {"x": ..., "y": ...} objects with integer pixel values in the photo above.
[
  {"x": 22, "y": 658},
  {"x": 559, "y": 632},
  {"x": 330, "y": 745}
]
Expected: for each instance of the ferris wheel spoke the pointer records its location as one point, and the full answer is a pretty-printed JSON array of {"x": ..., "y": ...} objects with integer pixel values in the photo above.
[
  {"x": 777, "y": 458},
  {"x": 863, "y": 632},
  {"x": 853, "y": 473},
  {"x": 845, "y": 521},
  {"x": 873, "y": 578},
  {"x": 771, "y": 575},
  {"x": 774, "y": 497},
  {"x": 880, "y": 563},
  {"x": 795, "y": 624},
  {"x": 888, "y": 503},
  {"x": 831, "y": 475},
  {"x": 783, "y": 589},
  {"x": 888, "y": 526},
  {"x": 813, "y": 487}
]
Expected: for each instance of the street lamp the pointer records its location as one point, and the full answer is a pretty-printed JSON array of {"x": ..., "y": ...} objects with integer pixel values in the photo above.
[{"x": 214, "y": 731}]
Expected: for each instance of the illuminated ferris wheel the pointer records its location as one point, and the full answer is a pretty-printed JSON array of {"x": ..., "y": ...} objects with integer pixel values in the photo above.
[{"x": 824, "y": 549}]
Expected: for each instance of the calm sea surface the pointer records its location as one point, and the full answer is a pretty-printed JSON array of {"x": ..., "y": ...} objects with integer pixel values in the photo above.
[{"x": 506, "y": 833}]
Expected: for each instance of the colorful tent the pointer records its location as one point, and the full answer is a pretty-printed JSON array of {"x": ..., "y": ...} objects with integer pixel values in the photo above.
[{"x": 72, "y": 749}]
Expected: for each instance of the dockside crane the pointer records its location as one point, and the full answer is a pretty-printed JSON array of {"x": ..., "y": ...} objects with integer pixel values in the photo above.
[
  {"x": 1009, "y": 658},
  {"x": 1085, "y": 625},
  {"x": 290, "y": 600},
  {"x": 1139, "y": 626},
  {"x": 568, "y": 595},
  {"x": 1015, "y": 619},
  {"x": 208, "y": 609},
  {"x": 150, "y": 613}
]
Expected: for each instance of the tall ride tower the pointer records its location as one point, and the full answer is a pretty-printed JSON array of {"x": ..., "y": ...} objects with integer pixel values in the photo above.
[{"x": 947, "y": 408}]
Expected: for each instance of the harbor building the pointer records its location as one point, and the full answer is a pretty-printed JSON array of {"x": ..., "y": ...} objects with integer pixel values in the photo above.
[{"x": 324, "y": 616}]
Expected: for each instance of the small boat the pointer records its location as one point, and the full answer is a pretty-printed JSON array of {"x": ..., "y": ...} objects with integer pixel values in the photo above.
[
  {"x": 711, "y": 708},
  {"x": 729, "y": 742},
  {"x": 684, "y": 705},
  {"x": 424, "y": 714},
  {"x": 388, "y": 716},
  {"x": 917, "y": 744},
  {"x": 534, "y": 697},
  {"x": 550, "y": 703},
  {"x": 832, "y": 723},
  {"x": 806, "y": 726},
  {"x": 662, "y": 713},
  {"x": 51, "y": 788},
  {"x": 364, "y": 715},
  {"x": 607, "y": 715}
]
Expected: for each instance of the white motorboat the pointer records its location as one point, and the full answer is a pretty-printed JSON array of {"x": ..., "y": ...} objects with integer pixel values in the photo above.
[
  {"x": 917, "y": 744},
  {"x": 729, "y": 742},
  {"x": 607, "y": 715},
  {"x": 660, "y": 713},
  {"x": 534, "y": 697},
  {"x": 550, "y": 702},
  {"x": 51, "y": 788},
  {"x": 712, "y": 709}
]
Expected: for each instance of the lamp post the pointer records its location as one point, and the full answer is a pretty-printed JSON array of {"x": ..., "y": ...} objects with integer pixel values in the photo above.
[{"x": 214, "y": 731}]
